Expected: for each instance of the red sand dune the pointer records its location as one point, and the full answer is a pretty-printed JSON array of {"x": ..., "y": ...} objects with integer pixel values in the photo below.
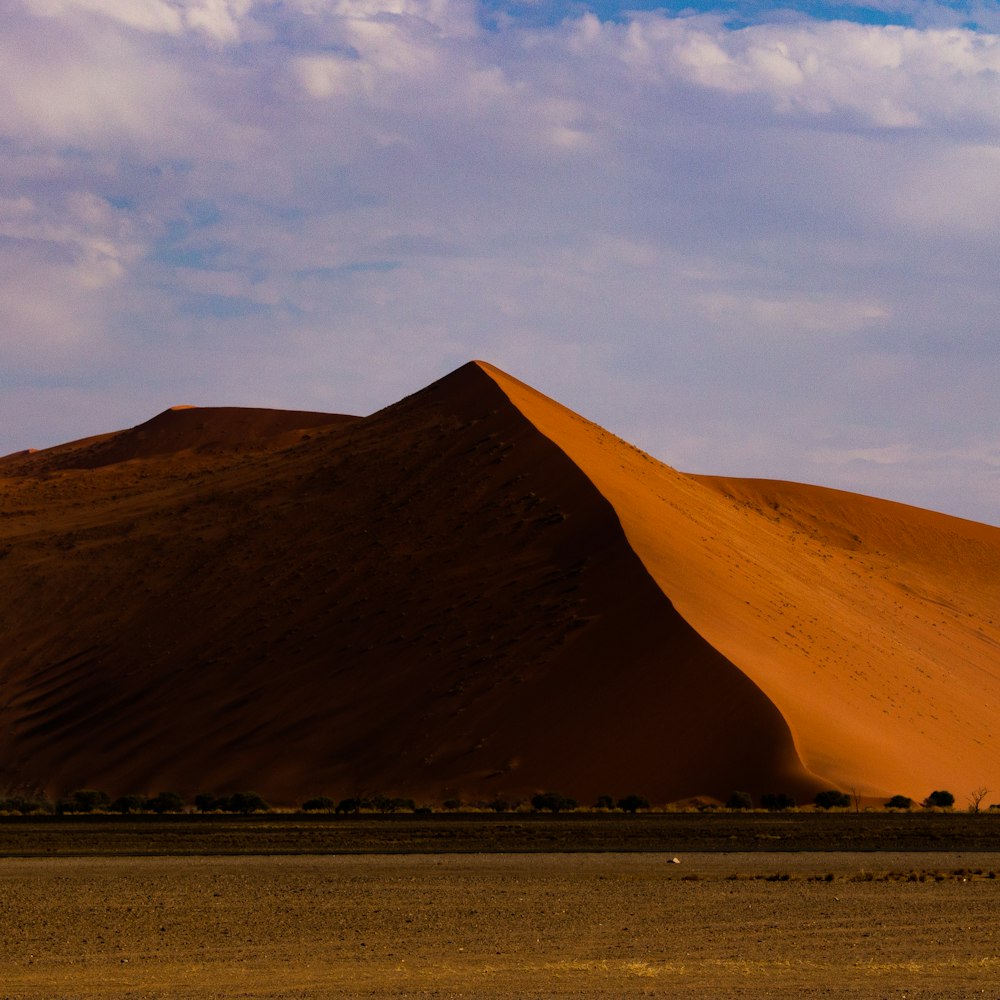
[{"x": 476, "y": 592}]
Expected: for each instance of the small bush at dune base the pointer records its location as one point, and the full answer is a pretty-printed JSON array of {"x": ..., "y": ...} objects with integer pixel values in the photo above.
[
  {"x": 939, "y": 800},
  {"x": 552, "y": 802},
  {"x": 127, "y": 804},
  {"x": 633, "y": 803},
  {"x": 899, "y": 802},
  {"x": 832, "y": 799},
  {"x": 740, "y": 800},
  {"x": 84, "y": 800},
  {"x": 165, "y": 802},
  {"x": 777, "y": 801},
  {"x": 321, "y": 803}
]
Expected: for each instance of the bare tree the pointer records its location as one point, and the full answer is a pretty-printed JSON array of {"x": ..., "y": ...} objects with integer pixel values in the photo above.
[{"x": 976, "y": 798}]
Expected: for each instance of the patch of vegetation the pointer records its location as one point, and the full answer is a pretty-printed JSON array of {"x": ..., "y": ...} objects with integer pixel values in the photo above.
[
  {"x": 244, "y": 803},
  {"x": 84, "y": 800},
  {"x": 939, "y": 800},
  {"x": 777, "y": 801},
  {"x": 552, "y": 802},
  {"x": 25, "y": 805},
  {"x": 321, "y": 803},
  {"x": 633, "y": 803},
  {"x": 832, "y": 799}
]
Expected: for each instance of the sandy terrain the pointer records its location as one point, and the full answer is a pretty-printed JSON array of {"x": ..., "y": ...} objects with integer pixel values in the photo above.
[
  {"x": 476, "y": 593},
  {"x": 501, "y": 926}
]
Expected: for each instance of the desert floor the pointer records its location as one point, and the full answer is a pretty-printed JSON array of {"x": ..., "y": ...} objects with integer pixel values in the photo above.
[{"x": 502, "y": 925}]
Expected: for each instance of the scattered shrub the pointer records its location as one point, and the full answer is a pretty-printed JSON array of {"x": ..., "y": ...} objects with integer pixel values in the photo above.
[
  {"x": 499, "y": 805},
  {"x": 604, "y": 802},
  {"x": 941, "y": 800},
  {"x": 740, "y": 800},
  {"x": 243, "y": 802},
  {"x": 165, "y": 802},
  {"x": 899, "y": 802},
  {"x": 777, "y": 801},
  {"x": 633, "y": 803},
  {"x": 451, "y": 804},
  {"x": 126, "y": 804},
  {"x": 552, "y": 802},
  {"x": 24, "y": 805},
  {"x": 349, "y": 805},
  {"x": 84, "y": 800},
  {"x": 319, "y": 804},
  {"x": 832, "y": 799}
]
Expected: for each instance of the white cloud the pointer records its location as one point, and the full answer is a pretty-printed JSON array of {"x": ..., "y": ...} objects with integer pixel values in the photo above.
[
  {"x": 772, "y": 248},
  {"x": 220, "y": 19},
  {"x": 144, "y": 15}
]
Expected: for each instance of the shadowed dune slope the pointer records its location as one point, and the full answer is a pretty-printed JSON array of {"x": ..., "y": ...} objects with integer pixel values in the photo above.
[
  {"x": 872, "y": 626},
  {"x": 432, "y": 600},
  {"x": 179, "y": 429},
  {"x": 475, "y": 593}
]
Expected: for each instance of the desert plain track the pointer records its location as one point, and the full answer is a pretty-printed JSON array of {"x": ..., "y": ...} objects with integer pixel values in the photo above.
[{"x": 276, "y": 834}]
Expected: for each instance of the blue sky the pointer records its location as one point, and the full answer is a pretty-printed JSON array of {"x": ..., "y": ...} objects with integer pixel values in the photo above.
[{"x": 753, "y": 239}]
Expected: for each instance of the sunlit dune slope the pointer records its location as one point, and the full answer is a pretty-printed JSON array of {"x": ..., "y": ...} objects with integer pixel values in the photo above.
[
  {"x": 872, "y": 626},
  {"x": 475, "y": 593}
]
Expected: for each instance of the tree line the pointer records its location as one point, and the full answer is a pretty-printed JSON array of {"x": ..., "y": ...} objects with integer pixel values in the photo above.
[{"x": 248, "y": 803}]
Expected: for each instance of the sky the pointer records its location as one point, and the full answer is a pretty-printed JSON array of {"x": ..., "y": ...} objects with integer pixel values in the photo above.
[{"x": 753, "y": 239}]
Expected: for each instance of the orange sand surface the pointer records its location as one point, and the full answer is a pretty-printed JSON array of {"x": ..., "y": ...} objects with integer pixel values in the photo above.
[
  {"x": 476, "y": 592},
  {"x": 873, "y": 627}
]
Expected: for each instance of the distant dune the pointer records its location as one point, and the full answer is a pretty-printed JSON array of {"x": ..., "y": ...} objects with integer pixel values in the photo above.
[{"x": 477, "y": 593}]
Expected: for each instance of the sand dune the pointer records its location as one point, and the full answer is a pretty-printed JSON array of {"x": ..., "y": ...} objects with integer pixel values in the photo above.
[{"x": 476, "y": 592}]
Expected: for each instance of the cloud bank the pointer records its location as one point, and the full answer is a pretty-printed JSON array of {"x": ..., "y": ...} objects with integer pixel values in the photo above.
[{"x": 764, "y": 249}]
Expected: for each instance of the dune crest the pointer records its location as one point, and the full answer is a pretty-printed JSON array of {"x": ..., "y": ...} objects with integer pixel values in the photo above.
[{"x": 476, "y": 592}]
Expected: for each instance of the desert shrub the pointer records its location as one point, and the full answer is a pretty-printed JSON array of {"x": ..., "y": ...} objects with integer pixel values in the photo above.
[
  {"x": 321, "y": 803},
  {"x": 24, "y": 805},
  {"x": 499, "y": 805},
  {"x": 604, "y": 802},
  {"x": 899, "y": 802},
  {"x": 206, "y": 803},
  {"x": 84, "y": 800},
  {"x": 552, "y": 802},
  {"x": 633, "y": 803},
  {"x": 832, "y": 799},
  {"x": 243, "y": 802},
  {"x": 351, "y": 805},
  {"x": 165, "y": 802},
  {"x": 126, "y": 804},
  {"x": 940, "y": 799},
  {"x": 740, "y": 800},
  {"x": 451, "y": 804},
  {"x": 777, "y": 801}
]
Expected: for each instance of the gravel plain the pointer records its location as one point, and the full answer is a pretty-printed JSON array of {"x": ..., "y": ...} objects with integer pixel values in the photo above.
[{"x": 904, "y": 925}]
